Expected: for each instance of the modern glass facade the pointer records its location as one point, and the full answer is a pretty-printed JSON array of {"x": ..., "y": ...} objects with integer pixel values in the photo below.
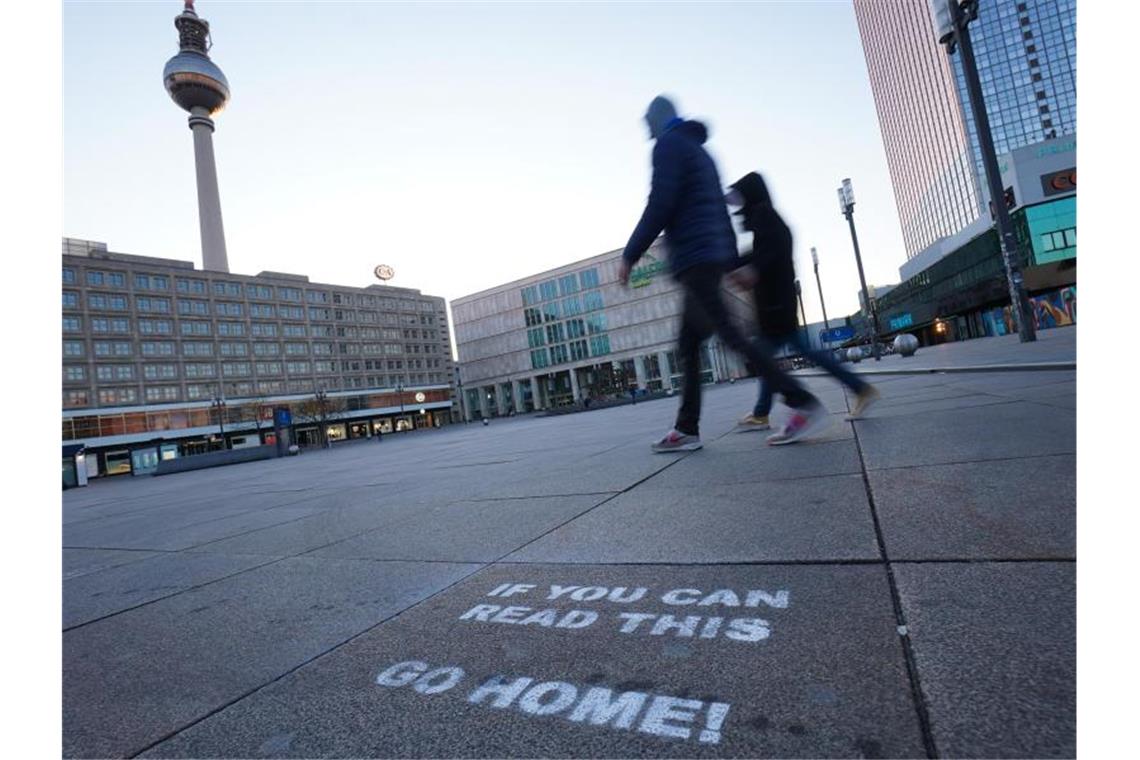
[
  {"x": 1026, "y": 57},
  {"x": 1026, "y": 52},
  {"x": 921, "y": 119},
  {"x": 559, "y": 341}
]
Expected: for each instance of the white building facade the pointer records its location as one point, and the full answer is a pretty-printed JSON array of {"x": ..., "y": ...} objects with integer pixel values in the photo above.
[{"x": 574, "y": 333}]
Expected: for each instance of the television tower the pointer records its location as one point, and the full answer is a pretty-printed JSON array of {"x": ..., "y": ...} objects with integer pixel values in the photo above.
[{"x": 197, "y": 85}]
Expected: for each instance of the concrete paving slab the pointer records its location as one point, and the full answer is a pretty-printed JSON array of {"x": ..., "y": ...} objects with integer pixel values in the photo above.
[
  {"x": 102, "y": 593},
  {"x": 759, "y": 462},
  {"x": 78, "y": 562},
  {"x": 995, "y": 645},
  {"x": 816, "y": 670},
  {"x": 825, "y": 518},
  {"x": 156, "y": 533},
  {"x": 464, "y": 531},
  {"x": 133, "y": 679},
  {"x": 324, "y": 527},
  {"x": 1015, "y": 429},
  {"x": 1011, "y": 509}
]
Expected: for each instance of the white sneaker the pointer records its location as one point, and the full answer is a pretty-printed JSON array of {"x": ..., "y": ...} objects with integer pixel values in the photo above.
[
  {"x": 677, "y": 441},
  {"x": 803, "y": 422}
]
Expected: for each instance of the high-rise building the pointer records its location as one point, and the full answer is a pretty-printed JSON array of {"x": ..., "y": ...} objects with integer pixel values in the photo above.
[
  {"x": 1026, "y": 57},
  {"x": 163, "y": 360},
  {"x": 953, "y": 283}
]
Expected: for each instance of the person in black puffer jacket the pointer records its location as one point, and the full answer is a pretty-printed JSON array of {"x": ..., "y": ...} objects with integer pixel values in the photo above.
[
  {"x": 687, "y": 202},
  {"x": 771, "y": 274}
]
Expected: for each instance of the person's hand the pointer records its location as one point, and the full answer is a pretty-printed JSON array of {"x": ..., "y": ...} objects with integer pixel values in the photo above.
[
  {"x": 623, "y": 273},
  {"x": 743, "y": 278}
]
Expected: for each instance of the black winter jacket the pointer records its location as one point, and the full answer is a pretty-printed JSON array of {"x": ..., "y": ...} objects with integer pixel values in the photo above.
[
  {"x": 771, "y": 256},
  {"x": 687, "y": 202}
]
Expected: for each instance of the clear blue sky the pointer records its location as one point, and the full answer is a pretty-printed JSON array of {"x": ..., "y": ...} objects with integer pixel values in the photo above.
[{"x": 467, "y": 144}]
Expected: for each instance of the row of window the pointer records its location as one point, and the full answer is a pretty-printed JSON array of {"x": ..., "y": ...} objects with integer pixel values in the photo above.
[
  {"x": 162, "y": 283},
  {"x": 239, "y": 389},
  {"x": 576, "y": 350},
  {"x": 553, "y": 311},
  {"x": 566, "y": 285}
]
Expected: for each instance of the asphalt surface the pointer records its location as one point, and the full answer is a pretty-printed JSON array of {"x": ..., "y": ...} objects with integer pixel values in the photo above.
[{"x": 899, "y": 586}]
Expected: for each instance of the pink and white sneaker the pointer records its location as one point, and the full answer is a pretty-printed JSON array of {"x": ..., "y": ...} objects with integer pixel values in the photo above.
[
  {"x": 677, "y": 441},
  {"x": 803, "y": 422}
]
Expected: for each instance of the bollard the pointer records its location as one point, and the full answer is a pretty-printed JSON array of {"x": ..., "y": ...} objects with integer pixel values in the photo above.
[{"x": 906, "y": 344}]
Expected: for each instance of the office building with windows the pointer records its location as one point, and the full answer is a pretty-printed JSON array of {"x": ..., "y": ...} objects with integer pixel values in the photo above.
[
  {"x": 163, "y": 360},
  {"x": 575, "y": 333},
  {"x": 1026, "y": 57}
]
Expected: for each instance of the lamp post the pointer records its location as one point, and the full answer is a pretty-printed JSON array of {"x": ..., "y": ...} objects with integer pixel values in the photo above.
[
  {"x": 400, "y": 393},
  {"x": 322, "y": 398},
  {"x": 822, "y": 305},
  {"x": 951, "y": 24},
  {"x": 847, "y": 206},
  {"x": 803, "y": 315},
  {"x": 219, "y": 403}
]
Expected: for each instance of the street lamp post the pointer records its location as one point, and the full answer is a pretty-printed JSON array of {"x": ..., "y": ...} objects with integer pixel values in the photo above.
[
  {"x": 951, "y": 24},
  {"x": 400, "y": 393},
  {"x": 847, "y": 206},
  {"x": 322, "y": 415},
  {"x": 803, "y": 314},
  {"x": 822, "y": 305},
  {"x": 219, "y": 403}
]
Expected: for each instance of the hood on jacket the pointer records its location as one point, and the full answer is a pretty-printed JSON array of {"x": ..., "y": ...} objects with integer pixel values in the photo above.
[
  {"x": 694, "y": 130},
  {"x": 659, "y": 115},
  {"x": 754, "y": 190}
]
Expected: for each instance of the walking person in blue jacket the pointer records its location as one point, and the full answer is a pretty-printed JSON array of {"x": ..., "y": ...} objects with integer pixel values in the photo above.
[
  {"x": 770, "y": 272},
  {"x": 687, "y": 203}
]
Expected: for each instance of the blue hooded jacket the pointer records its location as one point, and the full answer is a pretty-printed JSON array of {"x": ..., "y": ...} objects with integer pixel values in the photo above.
[{"x": 687, "y": 202}]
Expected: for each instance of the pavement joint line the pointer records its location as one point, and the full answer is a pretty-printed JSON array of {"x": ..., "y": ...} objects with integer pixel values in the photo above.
[
  {"x": 917, "y": 696},
  {"x": 149, "y": 602},
  {"x": 542, "y": 496},
  {"x": 983, "y": 560},
  {"x": 998, "y": 401},
  {"x": 970, "y": 461},
  {"x": 203, "y": 522},
  {"x": 968, "y": 369}
]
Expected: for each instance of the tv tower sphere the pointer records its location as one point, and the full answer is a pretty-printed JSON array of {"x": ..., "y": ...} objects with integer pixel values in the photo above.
[
  {"x": 197, "y": 85},
  {"x": 191, "y": 78}
]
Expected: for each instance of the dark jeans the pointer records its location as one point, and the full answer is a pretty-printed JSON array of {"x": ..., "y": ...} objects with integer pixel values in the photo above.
[
  {"x": 704, "y": 314},
  {"x": 824, "y": 359}
]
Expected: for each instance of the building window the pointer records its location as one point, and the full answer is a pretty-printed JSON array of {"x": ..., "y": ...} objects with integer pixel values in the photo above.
[
  {"x": 227, "y": 289},
  {"x": 156, "y": 305},
  {"x": 124, "y": 372},
  {"x": 197, "y": 349},
  {"x": 266, "y": 349},
  {"x": 530, "y": 295},
  {"x": 589, "y": 279},
  {"x": 73, "y": 348},
  {"x": 259, "y": 291},
  {"x": 75, "y": 324},
  {"x": 194, "y": 328},
  {"x": 592, "y": 301},
  {"x": 596, "y": 323},
  {"x": 548, "y": 290},
  {"x": 160, "y": 371},
  {"x": 576, "y": 328},
  {"x": 599, "y": 345},
  {"x": 199, "y": 308},
  {"x": 316, "y": 296},
  {"x": 558, "y": 354},
  {"x": 68, "y": 276},
  {"x": 568, "y": 285},
  {"x": 157, "y": 349},
  {"x": 555, "y": 334},
  {"x": 123, "y": 349},
  {"x": 74, "y": 373},
  {"x": 75, "y": 398},
  {"x": 155, "y": 327},
  {"x": 119, "y": 303},
  {"x": 95, "y": 279},
  {"x": 264, "y": 329},
  {"x": 235, "y": 369},
  {"x": 227, "y": 309},
  {"x": 235, "y": 349},
  {"x": 70, "y": 300},
  {"x": 261, "y": 310},
  {"x": 196, "y": 287},
  {"x": 269, "y": 368},
  {"x": 289, "y": 294},
  {"x": 162, "y": 393},
  {"x": 96, "y": 301},
  {"x": 578, "y": 350},
  {"x": 232, "y": 329},
  {"x": 538, "y": 359},
  {"x": 532, "y": 317},
  {"x": 122, "y": 326},
  {"x": 198, "y": 370}
]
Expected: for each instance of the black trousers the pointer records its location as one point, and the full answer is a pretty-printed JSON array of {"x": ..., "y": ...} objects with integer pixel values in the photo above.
[{"x": 704, "y": 313}]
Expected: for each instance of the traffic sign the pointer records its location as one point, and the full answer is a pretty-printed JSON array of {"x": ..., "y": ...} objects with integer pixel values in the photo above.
[{"x": 836, "y": 334}]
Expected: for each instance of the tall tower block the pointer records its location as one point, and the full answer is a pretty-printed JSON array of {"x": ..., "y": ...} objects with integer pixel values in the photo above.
[{"x": 197, "y": 85}]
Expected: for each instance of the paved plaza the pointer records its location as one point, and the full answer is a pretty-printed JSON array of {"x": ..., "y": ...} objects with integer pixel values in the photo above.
[{"x": 900, "y": 586}]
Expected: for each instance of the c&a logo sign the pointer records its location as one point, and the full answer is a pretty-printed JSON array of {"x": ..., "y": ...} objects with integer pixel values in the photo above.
[{"x": 1064, "y": 181}]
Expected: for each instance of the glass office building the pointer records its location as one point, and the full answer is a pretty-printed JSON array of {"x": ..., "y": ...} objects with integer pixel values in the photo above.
[
  {"x": 1026, "y": 56},
  {"x": 574, "y": 333}
]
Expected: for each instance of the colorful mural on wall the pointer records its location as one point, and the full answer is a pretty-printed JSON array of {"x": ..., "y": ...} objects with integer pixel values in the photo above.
[{"x": 1057, "y": 308}]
